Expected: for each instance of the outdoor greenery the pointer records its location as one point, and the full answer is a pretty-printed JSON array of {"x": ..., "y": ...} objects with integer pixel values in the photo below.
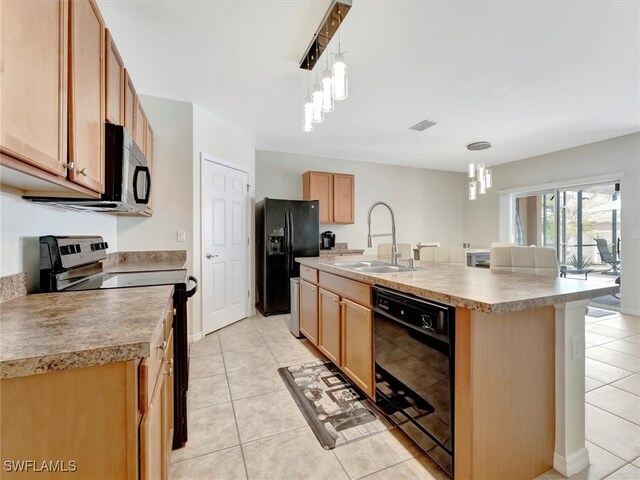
[{"x": 581, "y": 263}]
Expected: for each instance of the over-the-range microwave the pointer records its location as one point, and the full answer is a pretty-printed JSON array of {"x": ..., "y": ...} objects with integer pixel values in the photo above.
[{"x": 127, "y": 178}]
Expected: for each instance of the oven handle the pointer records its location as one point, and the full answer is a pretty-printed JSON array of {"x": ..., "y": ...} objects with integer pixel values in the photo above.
[{"x": 192, "y": 292}]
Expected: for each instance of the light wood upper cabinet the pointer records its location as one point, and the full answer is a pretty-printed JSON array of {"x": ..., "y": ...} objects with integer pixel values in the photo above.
[
  {"x": 357, "y": 345},
  {"x": 309, "y": 311},
  {"x": 343, "y": 201},
  {"x": 114, "y": 82},
  {"x": 140, "y": 125},
  {"x": 130, "y": 98},
  {"x": 329, "y": 321},
  {"x": 86, "y": 95},
  {"x": 319, "y": 186},
  {"x": 33, "y": 111},
  {"x": 335, "y": 192}
]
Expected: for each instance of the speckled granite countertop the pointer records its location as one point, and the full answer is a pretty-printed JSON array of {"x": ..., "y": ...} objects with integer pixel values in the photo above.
[
  {"x": 57, "y": 331},
  {"x": 341, "y": 251},
  {"x": 472, "y": 288}
]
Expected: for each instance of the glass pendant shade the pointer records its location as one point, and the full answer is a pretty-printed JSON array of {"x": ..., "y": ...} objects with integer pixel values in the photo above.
[
  {"x": 480, "y": 172},
  {"x": 488, "y": 177},
  {"x": 472, "y": 190},
  {"x": 307, "y": 120},
  {"x": 327, "y": 92},
  {"x": 318, "y": 116},
  {"x": 339, "y": 78},
  {"x": 482, "y": 187},
  {"x": 472, "y": 170}
]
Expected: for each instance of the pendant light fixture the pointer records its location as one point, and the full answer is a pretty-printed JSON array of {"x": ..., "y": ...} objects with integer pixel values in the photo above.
[
  {"x": 339, "y": 69},
  {"x": 331, "y": 84},
  {"x": 327, "y": 84},
  {"x": 307, "y": 112},
  {"x": 317, "y": 97},
  {"x": 480, "y": 177}
]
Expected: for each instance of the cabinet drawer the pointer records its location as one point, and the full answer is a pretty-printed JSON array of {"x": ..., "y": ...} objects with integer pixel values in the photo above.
[
  {"x": 309, "y": 274},
  {"x": 355, "y": 291}
]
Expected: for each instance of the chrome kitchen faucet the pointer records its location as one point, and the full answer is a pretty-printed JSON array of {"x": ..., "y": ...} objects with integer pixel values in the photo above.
[{"x": 394, "y": 246}]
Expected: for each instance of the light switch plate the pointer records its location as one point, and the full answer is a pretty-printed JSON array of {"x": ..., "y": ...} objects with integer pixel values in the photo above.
[{"x": 182, "y": 236}]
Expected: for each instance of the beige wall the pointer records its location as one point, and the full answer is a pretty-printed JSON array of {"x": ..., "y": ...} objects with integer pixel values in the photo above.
[
  {"x": 22, "y": 222},
  {"x": 221, "y": 141},
  {"x": 427, "y": 203},
  {"x": 618, "y": 155}
]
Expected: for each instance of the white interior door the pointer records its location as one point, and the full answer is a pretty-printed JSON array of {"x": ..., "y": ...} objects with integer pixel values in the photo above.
[{"x": 224, "y": 245}]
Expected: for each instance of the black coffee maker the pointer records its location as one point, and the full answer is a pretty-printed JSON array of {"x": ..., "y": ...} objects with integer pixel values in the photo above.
[{"x": 327, "y": 240}]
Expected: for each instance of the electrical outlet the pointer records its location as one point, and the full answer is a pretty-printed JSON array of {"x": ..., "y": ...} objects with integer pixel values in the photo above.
[
  {"x": 577, "y": 347},
  {"x": 182, "y": 236}
]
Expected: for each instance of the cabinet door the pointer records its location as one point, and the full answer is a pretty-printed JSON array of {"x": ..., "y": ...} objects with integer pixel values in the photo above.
[
  {"x": 329, "y": 321},
  {"x": 129, "y": 103},
  {"x": 149, "y": 153},
  {"x": 343, "y": 198},
  {"x": 114, "y": 82},
  {"x": 309, "y": 311},
  {"x": 319, "y": 186},
  {"x": 140, "y": 125},
  {"x": 167, "y": 408},
  {"x": 357, "y": 345},
  {"x": 33, "y": 112},
  {"x": 86, "y": 99},
  {"x": 151, "y": 446}
]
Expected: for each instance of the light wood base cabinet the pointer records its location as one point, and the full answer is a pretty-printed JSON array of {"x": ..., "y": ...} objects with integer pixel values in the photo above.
[
  {"x": 91, "y": 422},
  {"x": 330, "y": 317},
  {"x": 309, "y": 311},
  {"x": 357, "y": 345}
]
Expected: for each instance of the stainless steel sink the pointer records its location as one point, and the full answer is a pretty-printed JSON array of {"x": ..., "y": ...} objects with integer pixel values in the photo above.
[
  {"x": 386, "y": 269},
  {"x": 354, "y": 265}
]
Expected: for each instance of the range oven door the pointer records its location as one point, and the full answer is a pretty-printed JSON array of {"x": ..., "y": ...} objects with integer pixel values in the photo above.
[{"x": 414, "y": 370}]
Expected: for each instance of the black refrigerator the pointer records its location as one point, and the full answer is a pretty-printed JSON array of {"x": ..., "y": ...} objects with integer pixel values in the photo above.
[{"x": 285, "y": 229}]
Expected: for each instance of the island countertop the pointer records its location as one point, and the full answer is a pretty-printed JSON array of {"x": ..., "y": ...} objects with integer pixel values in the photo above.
[
  {"x": 57, "y": 331},
  {"x": 473, "y": 288}
]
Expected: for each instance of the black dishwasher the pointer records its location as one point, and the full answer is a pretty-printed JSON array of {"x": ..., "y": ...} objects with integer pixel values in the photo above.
[{"x": 414, "y": 368}]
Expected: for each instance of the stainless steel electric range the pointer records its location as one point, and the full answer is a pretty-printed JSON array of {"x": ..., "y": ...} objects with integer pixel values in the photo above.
[{"x": 74, "y": 263}]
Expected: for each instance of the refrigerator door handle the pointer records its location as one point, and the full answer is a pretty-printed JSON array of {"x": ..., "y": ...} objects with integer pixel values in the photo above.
[
  {"x": 291, "y": 233},
  {"x": 286, "y": 240}
]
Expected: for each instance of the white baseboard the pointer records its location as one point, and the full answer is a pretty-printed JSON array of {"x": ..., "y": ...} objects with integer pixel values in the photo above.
[
  {"x": 571, "y": 464},
  {"x": 629, "y": 311},
  {"x": 194, "y": 337}
]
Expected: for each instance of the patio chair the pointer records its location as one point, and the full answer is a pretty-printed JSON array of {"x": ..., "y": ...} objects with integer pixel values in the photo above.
[{"x": 607, "y": 257}]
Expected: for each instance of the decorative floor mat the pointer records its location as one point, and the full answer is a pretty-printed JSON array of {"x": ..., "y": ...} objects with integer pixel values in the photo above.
[
  {"x": 598, "y": 312},
  {"x": 335, "y": 410}
]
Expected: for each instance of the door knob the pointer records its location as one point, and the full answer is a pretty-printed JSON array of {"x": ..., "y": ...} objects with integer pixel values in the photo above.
[{"x": 209, "y": 256}]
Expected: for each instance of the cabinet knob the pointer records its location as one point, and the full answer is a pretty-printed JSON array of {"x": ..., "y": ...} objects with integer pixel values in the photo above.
[
  {"x": 169, "y": 371},
  {"x": 163, "y": 346},
  {"x": 70, "y": 166},
  {"x": 175, "y": 312},
  {"x": 83, "y": 172}
]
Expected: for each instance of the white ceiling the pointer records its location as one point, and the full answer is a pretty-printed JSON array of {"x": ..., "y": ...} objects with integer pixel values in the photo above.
[{"x": 530, "y": 77}]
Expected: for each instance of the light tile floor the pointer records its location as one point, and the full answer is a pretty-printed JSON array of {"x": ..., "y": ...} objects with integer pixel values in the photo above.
[{"x": 243, "y": 422}]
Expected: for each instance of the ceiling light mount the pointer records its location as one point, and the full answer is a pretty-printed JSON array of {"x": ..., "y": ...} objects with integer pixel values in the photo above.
[
  {"x": 330, "y": 24},
  {"x": 476, "y": 146}
]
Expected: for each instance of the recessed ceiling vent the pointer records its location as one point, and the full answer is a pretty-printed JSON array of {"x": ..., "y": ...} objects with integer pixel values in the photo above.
[{"x": 423, "y": 125}]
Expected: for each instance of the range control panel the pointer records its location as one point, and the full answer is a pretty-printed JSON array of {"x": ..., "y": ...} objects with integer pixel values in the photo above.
[{"x": 72, "y": 251}]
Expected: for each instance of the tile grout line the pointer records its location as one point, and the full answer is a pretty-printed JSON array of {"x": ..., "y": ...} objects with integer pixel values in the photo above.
[{"x": 233, "y": 409}]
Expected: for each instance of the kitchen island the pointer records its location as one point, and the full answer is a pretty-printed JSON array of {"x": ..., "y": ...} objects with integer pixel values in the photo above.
[
  {"x": 519, "y": 358},
  {"x": 86, "y": 384}
]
